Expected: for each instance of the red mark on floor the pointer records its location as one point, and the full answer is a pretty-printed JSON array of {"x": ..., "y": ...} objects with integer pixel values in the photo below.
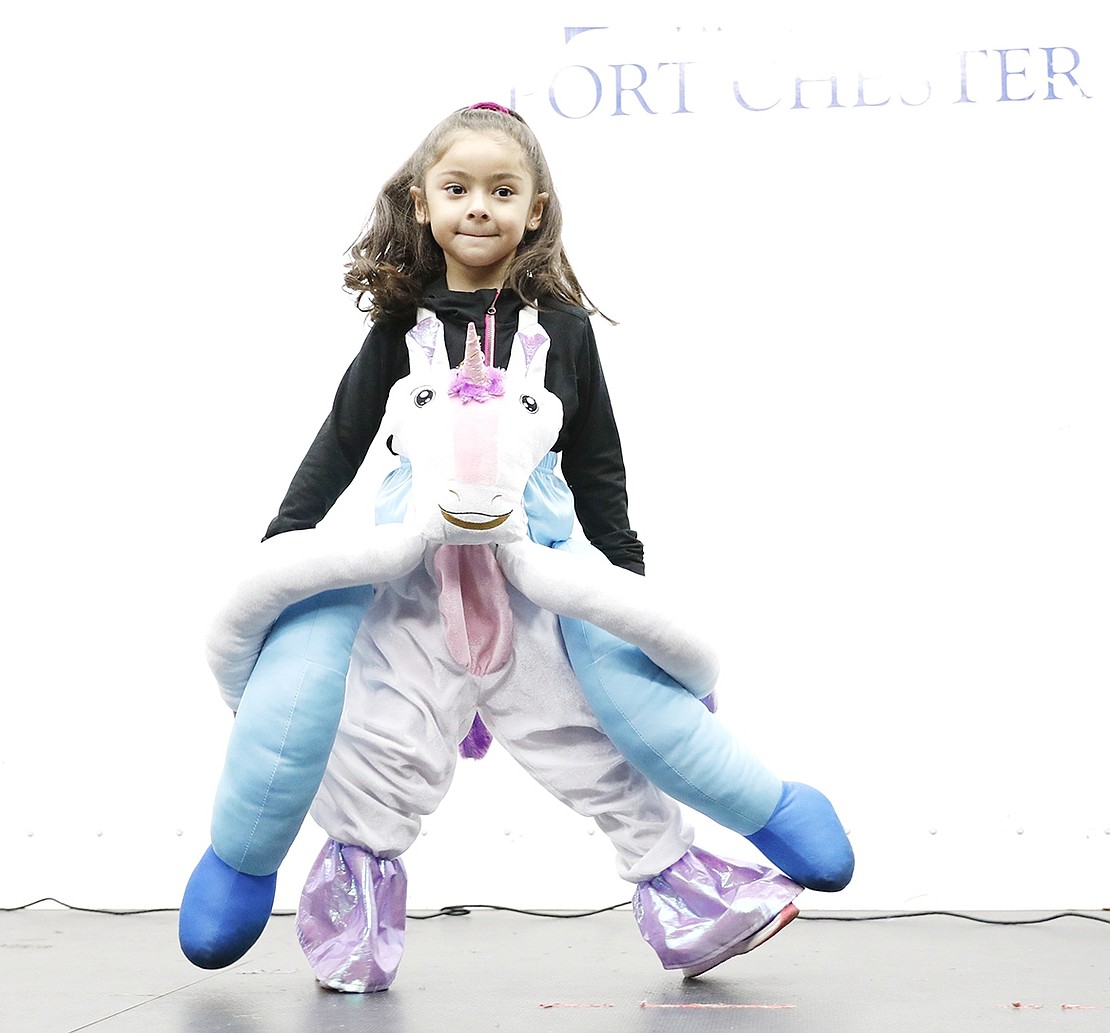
[
  {"x": 645, "y": 1004},
  {"x": 1064, "y": 1007}
]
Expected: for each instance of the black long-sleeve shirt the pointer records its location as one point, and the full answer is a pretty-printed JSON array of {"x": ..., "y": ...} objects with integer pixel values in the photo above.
[{"x": 592, "y": 461}]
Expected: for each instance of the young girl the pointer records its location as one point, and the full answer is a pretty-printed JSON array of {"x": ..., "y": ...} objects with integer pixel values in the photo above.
[
  {"x": 469, "y": 224},
  {"x": 470, "y": 229}
]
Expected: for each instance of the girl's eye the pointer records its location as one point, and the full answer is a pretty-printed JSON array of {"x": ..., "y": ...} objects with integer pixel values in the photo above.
[
  {"x": 455, "y": 189},
  {"x": 504, "y": 192},
  {"x": 423, "y": 397},
  {"x": 529, "y": 403}
]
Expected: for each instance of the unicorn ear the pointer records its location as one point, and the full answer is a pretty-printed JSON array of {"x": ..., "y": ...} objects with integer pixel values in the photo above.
[
  {"x": 528, "y": 359},
  {"x": 427, "y": 349}
]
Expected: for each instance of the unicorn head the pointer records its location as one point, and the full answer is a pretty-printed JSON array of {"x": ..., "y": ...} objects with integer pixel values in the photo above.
[{"x": 473, "y": 435}]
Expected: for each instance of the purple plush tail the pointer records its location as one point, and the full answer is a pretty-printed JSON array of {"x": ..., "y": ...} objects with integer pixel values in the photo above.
[{"x": 477, "y": 742}]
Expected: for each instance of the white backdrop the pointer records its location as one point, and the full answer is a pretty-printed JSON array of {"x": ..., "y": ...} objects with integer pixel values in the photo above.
[{"x": 860, "y": 371}]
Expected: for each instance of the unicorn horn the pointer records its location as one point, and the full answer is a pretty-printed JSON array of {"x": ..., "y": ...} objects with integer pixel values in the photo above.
[
  {"x": 473, "y": 368},
  {"x": 474, "y": 380}
]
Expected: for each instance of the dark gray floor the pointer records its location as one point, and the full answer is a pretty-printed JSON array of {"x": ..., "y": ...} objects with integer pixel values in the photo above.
[{"x": 64, "y": 971}]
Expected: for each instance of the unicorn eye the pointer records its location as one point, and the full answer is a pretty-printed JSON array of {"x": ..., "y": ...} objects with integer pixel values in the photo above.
[
  {"x": 423, "y": 397},
  {"x": 529, "y": 403}
]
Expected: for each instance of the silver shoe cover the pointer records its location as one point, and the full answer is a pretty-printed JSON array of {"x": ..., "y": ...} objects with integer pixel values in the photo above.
[
  {"x": 701, "y": 906},
  {"x": 351, "y": 918}
]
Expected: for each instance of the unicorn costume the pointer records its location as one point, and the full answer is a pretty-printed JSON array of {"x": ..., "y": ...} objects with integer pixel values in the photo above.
[{"x": 460, "y": 573}]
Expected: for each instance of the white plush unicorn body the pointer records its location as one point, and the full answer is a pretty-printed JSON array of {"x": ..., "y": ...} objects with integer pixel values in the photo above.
[
  {"x": 471, "y": 453},
  {"x": 451, "y": 637},
  {"x": 451, "y": 613}
]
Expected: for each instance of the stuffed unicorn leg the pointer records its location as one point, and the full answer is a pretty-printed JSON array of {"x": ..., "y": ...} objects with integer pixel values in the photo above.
[
  {"x": 280, "y": 651},
  {"x": 643, "y": 678},
  {"x": 674, "y": 740}
]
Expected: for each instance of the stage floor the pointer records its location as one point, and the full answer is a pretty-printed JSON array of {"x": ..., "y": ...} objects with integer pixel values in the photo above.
[{"x": 64, "y": 971}]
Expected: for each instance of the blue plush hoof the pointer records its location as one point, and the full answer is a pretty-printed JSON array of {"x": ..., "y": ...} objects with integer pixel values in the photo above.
[
  {"x": 804, "y": 839},
  {"x": 223, "y": 912}
]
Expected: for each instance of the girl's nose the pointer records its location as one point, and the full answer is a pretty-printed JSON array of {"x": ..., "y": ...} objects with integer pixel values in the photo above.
[{"x": 478, "y": 208}]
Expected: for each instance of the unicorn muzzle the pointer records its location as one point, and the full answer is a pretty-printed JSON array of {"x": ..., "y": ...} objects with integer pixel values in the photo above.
[
  {"x": 475, "y": 521},
  {"x": 474, "y": 509}
]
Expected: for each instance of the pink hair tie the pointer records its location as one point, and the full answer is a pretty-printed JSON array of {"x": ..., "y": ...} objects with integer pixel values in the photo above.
[{"x": 489, "y": 105}]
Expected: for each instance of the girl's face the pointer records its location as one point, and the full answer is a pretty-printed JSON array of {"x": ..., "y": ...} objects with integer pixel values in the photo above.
[{"x": 479, "y": 199}]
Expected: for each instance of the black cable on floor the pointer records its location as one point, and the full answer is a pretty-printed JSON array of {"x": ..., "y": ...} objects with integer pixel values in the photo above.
[
  {"x": 451, "y": 911},
  {"x": 460, "y": 910},
  {"x": 953, "y": 914},
  {"x": 89, "y": 910},
  {"x": 457, "y": 910}
]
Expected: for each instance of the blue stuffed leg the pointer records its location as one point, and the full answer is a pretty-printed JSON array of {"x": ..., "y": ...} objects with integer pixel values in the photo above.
[
  {"x": 668, "y": 735},
  {"x": 673, "y": 739},
  {"x": 279, "y": 747}
]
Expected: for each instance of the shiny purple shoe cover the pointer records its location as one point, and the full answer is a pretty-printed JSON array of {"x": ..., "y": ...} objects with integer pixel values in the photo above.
[
  {"x": 702, "y": 906},
  {"x": 351, "y": 918}
]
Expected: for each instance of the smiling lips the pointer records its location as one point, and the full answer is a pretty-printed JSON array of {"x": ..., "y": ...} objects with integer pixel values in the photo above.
[{"x": 485, "y": 524}]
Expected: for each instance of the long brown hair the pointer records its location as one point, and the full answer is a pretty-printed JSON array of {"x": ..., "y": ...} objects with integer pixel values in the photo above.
[{"x": 396, "y": 257}]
